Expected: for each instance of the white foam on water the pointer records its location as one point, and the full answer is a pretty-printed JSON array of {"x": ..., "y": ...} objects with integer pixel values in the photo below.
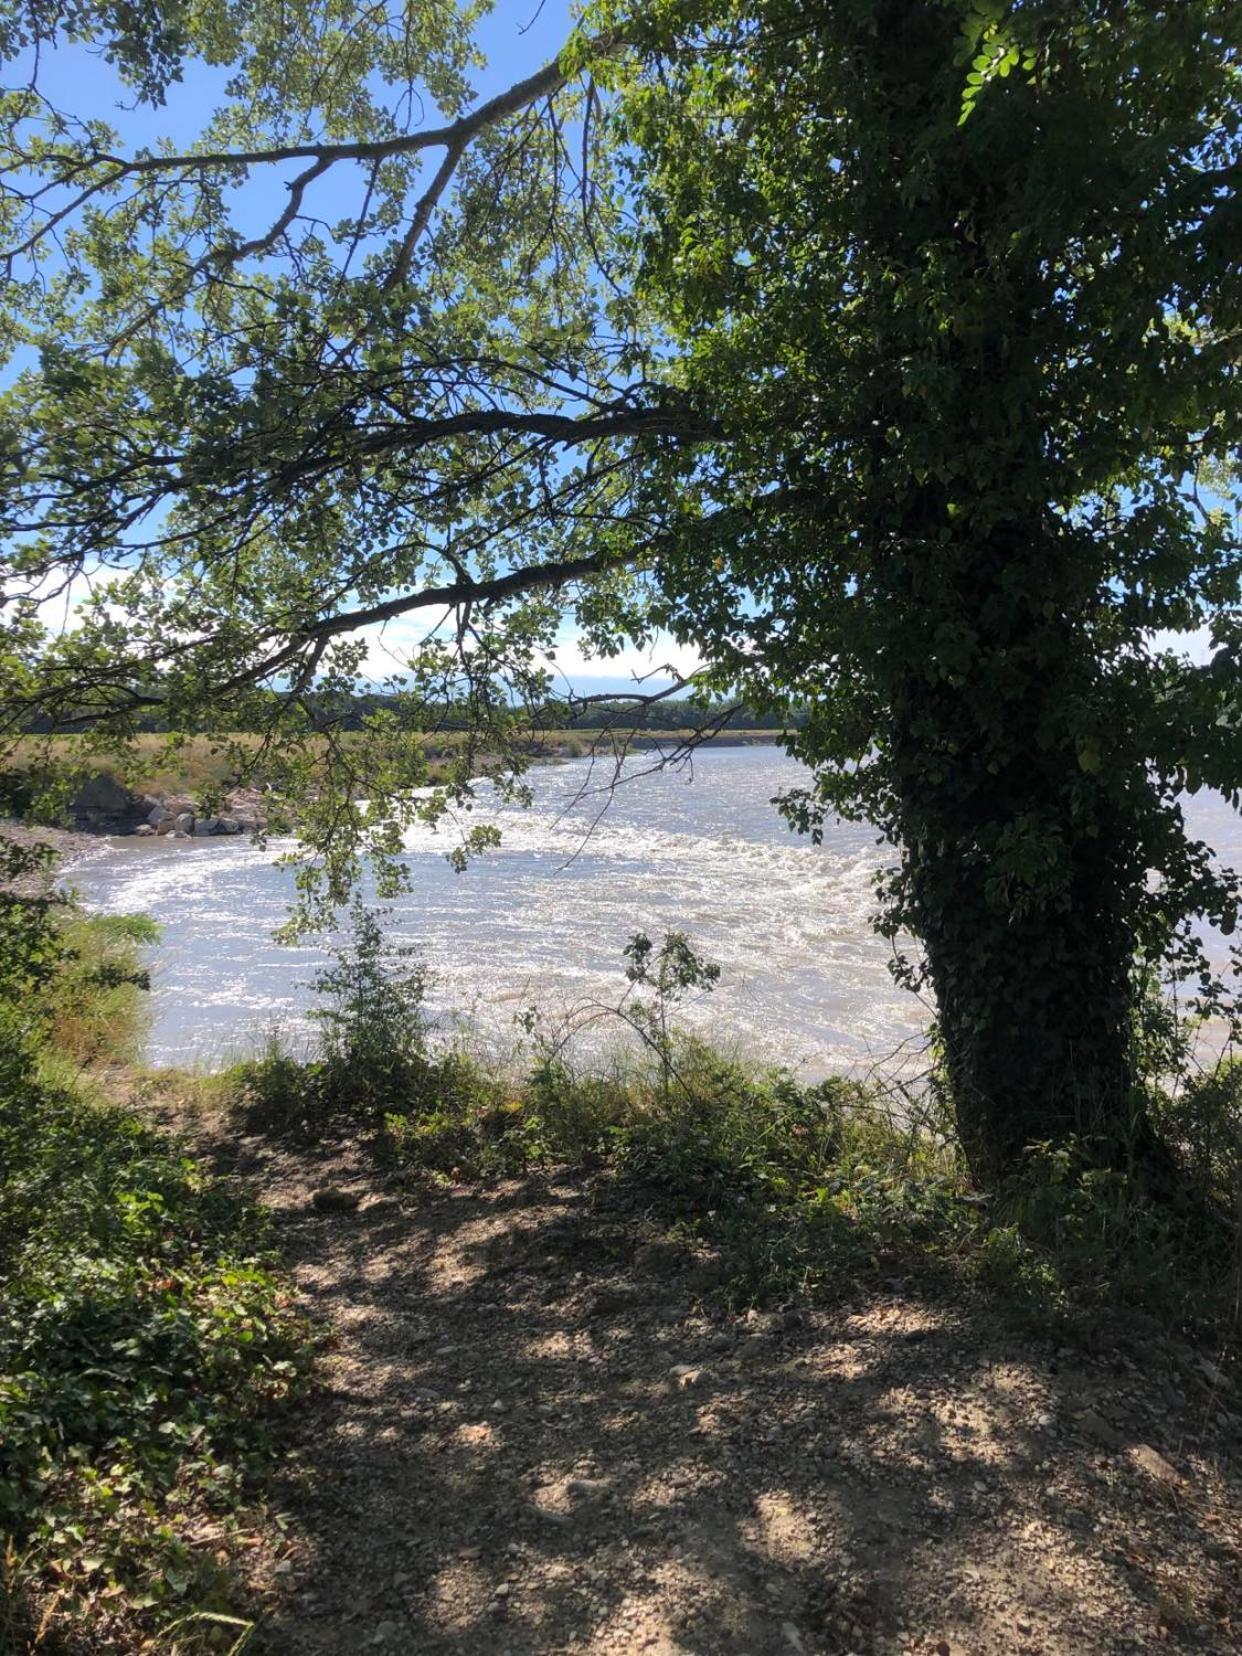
[{"x": 543, "y": 920}]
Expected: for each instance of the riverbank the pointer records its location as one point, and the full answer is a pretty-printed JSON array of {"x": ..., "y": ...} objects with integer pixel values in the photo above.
[
  {"x": 673, "y": 1355},
  {"x": 64, "y": 845},
  {"x": 543, "y": 1423},
  {"x": 158, "y": 789}
]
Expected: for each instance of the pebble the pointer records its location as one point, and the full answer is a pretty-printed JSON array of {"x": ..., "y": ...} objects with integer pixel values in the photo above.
[
  {"x": 1094, "y": 1426},
  {"x": 1150, "y": 1460}
]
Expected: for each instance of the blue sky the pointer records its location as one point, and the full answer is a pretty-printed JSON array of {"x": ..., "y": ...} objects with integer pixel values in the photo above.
[{"x": 517, "y": 37}]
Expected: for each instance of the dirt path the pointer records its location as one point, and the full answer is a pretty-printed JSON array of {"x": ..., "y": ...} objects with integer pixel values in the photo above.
[{"x": 541, "y": 1434}]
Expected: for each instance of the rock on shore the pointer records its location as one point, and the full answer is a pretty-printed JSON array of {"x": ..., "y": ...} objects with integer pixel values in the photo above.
[{"x": 103, "y": 805}]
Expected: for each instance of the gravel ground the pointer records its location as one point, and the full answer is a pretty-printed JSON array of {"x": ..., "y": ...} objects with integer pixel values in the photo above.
[
  {"x": 541, "y": 1432},
  {"x": 68, "y": 847}
]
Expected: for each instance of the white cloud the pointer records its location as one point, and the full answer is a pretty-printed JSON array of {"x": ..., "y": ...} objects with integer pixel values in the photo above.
[
  {"x": 663, "y": 659},
  {"x": 1197, "y": 645}
]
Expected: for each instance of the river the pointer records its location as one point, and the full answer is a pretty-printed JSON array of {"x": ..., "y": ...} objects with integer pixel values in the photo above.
[{"x": 543, "y": 920}]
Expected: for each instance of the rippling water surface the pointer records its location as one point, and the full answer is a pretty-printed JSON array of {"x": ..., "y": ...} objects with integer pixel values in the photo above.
[{"x": 543, "y": 920}]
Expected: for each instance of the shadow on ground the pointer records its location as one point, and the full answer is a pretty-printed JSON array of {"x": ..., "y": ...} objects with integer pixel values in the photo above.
[{"x": 541, "y": 1432}]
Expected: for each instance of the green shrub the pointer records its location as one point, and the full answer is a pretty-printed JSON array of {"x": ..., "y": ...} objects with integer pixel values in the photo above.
[
  {"x": 144, "y": 1342},
  {"x": 457, "y": 1122},
  {"x": 576, "y": 1116},
  {"x": 369, "y": 1013},
  {"x": 278, "y": 1094},
  {"x": 31, "y": 950},
  {"x": 798, "y": 1184},
  {"x": 76, "y": 981},
  {"x": 1078, "y": 1237},
  {"x": 1006, "y": 1264},
  {"x": 95, "y": 1005},
  {"x": 143, "y": 1346},
  {"x": 795, "y": 1183},
  {"x": 370, "y": 1055}
]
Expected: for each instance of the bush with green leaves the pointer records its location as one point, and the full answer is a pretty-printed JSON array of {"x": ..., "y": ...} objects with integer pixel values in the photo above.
[
  {"x": 370, "y": 1053},
  {"x": 1202, "y": 1119},
  {"x": 32, "y": 948},
  {"x": 369, "y": 1008},
  {"x": 145, "y": 1345},
  {"x": 146, "y": 1342},
  {"x": 799, "y": 1185},
  {"x": 802, "y": 1185}
]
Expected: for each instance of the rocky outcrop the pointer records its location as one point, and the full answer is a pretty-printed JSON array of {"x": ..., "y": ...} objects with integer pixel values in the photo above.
[{"x": 102, "y": 805}]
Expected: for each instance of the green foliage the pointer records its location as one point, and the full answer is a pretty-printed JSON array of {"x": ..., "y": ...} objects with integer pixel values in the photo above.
[
  {"x": 371, "y": 1049},
  {"x": 668, "y": 974},
  {"x": 369, "y": 1009},
  {"x": 797, "y": 1188},
  {"x": 577, "y": 1112},
  {"x": 75, "y": 980},
  {"x": 145, "y": 1344},
  {"x": 464, "y": 1125},
  {"x": 277, "y": 1093},
  {"x": 471, "y": 331},
  {"x": 899, "y": 257},
  {"x": 95, "y": 1006},
  {"x": 144, "y": 1349},
  {"x": 33, "y": 946},
  {"x": 660, "y": 979},
  {"x": 801, "y": 1186},
  {"x": 1079, "y": 1238},
  {"x": 1201, "y": 1117},
  {"x": 883, "y": 349}
]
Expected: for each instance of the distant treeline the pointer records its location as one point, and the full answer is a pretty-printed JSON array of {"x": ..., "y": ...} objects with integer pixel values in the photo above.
[{"x": 677, "y": 713}]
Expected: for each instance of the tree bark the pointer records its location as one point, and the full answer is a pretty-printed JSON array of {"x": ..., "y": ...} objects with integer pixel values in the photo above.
[
  {"x": 1035, "y": 1015},
  {"x": 1023, "y": 869}
]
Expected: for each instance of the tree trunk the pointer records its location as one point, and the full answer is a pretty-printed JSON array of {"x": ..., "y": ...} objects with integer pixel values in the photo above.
[
  {"x": 1023, "y": 868},
  {"x": 1035, "y": 1014}
]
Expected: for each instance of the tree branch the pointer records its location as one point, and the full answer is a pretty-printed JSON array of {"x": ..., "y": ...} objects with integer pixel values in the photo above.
[
  {"x": 455, "y": 138},
  {"x": 532, "y": 578}
]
